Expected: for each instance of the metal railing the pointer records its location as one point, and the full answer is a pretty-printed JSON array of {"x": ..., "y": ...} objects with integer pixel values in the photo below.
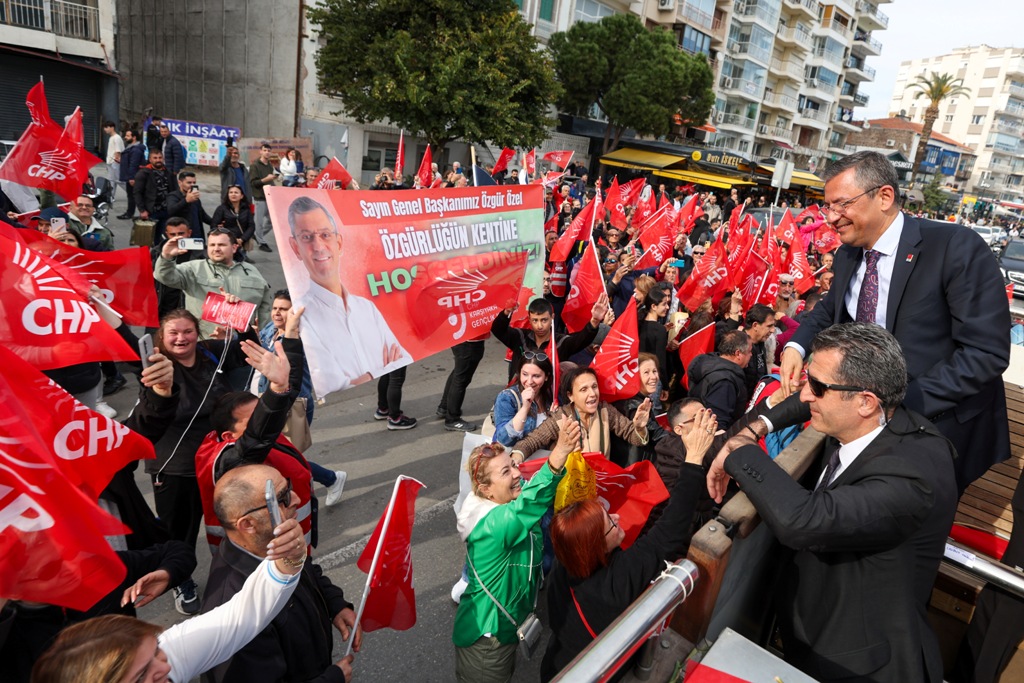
[
  {"x": 839, "y": 27},
  {"x": 861, "y": 99},
  {"x": 67, "y": 19},
  {"x": 738, "y": 120},
  {"x": 868, "y": 40},
  {"x": 853, "y": 63},
  {"x": 797, "y": 34},
  {"x": 694, "y": 15},
  {"x": 1015, "y": 90},
  {"x": 811, "y": 6},
  {"x": 993, "y": 572},
  {"x": 815, "y": 115},
  {"x": 781, "y": 100},
  {"x": 829, "y": 55},
  {"x": 868, "y": 8},
  {"x": 761, "y": 54},
  {"x": 600, "y": 660},
  {"x": 1007, "y": 127},
  {"x": 750, "y": 8},
  {"x": 773, "y": 132}
]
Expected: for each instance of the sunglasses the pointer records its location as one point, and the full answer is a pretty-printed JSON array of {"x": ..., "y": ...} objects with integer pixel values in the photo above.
[
  {"x": 284, "y": 499},
  {"x": 486, "y": 453},
  {"x": 535, "y": 355},
  {"x": 611, "y": 260},
  {"x": 818, "y": 388},
  {"x": 699, "y": 253}
]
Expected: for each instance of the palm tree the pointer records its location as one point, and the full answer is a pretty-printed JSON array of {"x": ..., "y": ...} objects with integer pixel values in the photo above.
[{"x": 936, "y": 87}]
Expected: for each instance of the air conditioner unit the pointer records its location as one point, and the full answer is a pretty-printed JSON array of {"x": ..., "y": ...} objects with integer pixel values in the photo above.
[
  {"x": 890, "y": 143},
  {"x": 812, "y": 83},
  {"x": 719, "y": 117},
  {"x": 666, "y": 5},
  {"x": 726, "y": 81}
]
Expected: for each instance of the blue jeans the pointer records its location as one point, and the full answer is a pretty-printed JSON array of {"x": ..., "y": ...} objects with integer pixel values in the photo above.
[{"x": 321, "y": 474}]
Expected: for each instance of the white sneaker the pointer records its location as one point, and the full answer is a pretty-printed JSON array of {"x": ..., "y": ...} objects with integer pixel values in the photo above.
[
  {"x": 334, "y": 490},
  {"x": 458, "y": 589},
  {"x": 103, "y": 409}
]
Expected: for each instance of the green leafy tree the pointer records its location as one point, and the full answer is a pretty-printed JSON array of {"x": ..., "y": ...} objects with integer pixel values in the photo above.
[
  {"x": 444, "y": 69},
  {"x": 637, "y": 78},
  {"x": 936, "y": 87},
  {"x": 934, "y": 198}
]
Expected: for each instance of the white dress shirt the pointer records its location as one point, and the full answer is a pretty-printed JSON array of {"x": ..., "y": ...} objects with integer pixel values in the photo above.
[
  {"x": 344, "y": 343},
  {"x": 848, "y": 453},
  {"x": 886, "y": 245}
]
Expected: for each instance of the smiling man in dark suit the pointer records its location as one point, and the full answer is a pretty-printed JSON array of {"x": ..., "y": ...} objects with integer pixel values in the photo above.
[
  {"x": 937, "y": 289},
  {"x": 869, "y": 531}
]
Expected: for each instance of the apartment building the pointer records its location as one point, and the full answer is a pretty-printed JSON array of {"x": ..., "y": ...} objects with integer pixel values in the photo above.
[
  {"x": 990, "y": 120},
  {"x": 69, "y": 44},
  {"x": 787, "y": 72}
]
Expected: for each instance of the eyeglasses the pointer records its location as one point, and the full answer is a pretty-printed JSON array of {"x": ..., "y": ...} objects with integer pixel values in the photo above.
[
  {"x": 699, "y": 253},
  {"x": 284, "y": 499},
  {"x": 818, "y": 388},
  {"x": 611, "y": 260},
  {"x": 310, "y": 237},
  {"x": 841, "y": 207},
  {"x": 535, "y": 355},
  {"x": 85, "y": 206},
  {"x": 486, "y": 453},
  {"x": 612, "y": 527}
]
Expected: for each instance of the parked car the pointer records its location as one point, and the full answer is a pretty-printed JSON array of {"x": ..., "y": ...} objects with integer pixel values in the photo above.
[
  {"x": 1011, "y": 262},
  {"x": 994, "y": 237}
]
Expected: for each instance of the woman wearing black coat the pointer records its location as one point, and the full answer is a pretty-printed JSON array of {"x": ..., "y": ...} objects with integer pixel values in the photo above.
[{"x": 235, "y": 214}]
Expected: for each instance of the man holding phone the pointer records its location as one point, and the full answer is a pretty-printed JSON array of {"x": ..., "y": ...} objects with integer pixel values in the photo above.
[
  {"x": 262, "y": 173},
  {"x": 185, "y": 203}
]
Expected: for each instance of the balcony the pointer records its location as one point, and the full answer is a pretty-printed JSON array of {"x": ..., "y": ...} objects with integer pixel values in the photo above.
[
  {"x": 840, "y": 123},
  {"x": 740, "y": 86},
  {"x": 747, "y": 11},
  {"x": 857, "y": 71},
  {"x": 815, "y": 117},
  {"x": 836, "y": 26},
  {"x": 860, "y": 100},
  {"x": 689, "y": 14},
  {"x": 808, "y": 7},
  {"x": 774, "y": 132},
  {"x": 65, "y": 19},
  {"x": 718, "y": 29},
  {"x": 779, "y": 101},
  {"x": 789, "y": 69},
  {"x": 1007, "y": 127},
  {"x": 830, "y": 56},
  {"x": 870, "y": 18},
  {"x": 820, "y": 89},
  {"x": 1011, "y": 108},
  {"x": 864, "y": 44},
  {"x": 1014, "y": 90},
  {"x": 736, "y": 121},
  {"x": 756, "y": 52},
  {"x": 795, "y": 35}
]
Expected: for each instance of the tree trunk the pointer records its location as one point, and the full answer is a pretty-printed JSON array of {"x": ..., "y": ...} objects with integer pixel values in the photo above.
[{"x": 930, "y": 114}]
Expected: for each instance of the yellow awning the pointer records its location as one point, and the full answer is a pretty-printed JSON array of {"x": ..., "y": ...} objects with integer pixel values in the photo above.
[
  {"x": 802, "y": 178},
  {"x": 722, "y": 182},
  {"x": 639, "y": 159}
]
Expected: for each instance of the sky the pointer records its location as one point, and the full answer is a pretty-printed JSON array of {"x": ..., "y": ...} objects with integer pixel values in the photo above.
[{"x": 926, "y": 28}]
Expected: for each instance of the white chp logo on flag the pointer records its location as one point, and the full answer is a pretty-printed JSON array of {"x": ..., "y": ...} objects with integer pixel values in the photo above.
[{"x": 56, "y": 164}]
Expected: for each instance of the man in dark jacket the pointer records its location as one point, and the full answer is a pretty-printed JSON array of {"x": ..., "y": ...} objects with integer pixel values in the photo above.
[
  {"x": 174, "y": 151},
  {"x": 132, "y": 158},
  {"x": 759, "y": 324},
  {"x": 717, "y": 379},
  {"x": 298, "y": 643},
  {"x": 184, "y": 202},
  {"x": 153, "y": 183}
]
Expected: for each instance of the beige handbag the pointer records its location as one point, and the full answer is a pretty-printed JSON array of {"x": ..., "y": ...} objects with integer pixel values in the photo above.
[{"x": 297, "y": 429}]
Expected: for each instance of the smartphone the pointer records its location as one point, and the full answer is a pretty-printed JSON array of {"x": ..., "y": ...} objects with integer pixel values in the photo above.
[
  {"x": 58, "y": 224},
  {"x": 145, "y": 349},
  {"x": 190, "y": 243},
  {"x": 678, "y": 263},
  {"x": 272, "y": 506}
]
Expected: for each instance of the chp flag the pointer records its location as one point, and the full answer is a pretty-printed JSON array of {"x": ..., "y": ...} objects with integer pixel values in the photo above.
[
  {"x": 616, "y": 364},
  {"x": 389, "y": 599},
  {"x": 391, "y": 277},
  {"x": 47, "y": 156},
  {"x": 334, "y": 173}
]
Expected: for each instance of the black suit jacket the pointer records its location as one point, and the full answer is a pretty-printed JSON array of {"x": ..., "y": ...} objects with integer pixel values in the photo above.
[
  {"x": 853, "y": 600},
  {"x": 947, "y": 307}
]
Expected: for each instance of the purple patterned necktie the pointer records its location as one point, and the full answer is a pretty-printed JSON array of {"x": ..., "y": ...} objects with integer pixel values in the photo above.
[
  {"x": 830, "y": 470},
  {"x": 867, "y": 303}
]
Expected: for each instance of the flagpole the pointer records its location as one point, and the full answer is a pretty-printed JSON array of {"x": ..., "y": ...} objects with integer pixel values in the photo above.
[{"x": 373, "y": 565}]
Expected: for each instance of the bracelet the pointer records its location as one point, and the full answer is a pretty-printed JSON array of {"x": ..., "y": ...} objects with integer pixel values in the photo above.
[
  {"x": 753, "y": 431},
  {"x": 294, "y": 564}
]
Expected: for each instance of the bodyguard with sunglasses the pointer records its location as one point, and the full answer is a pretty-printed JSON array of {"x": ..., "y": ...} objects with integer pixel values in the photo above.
[
  {"x": 868, "y": 532},
  {"x": 937, "y": 289}
]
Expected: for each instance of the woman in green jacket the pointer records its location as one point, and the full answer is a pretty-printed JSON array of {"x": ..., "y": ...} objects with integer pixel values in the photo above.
[{"x": 500, "y": 523}]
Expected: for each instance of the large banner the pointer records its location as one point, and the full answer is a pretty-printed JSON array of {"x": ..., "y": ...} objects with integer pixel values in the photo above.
[
  {"x": 388, "y": 278},
  {"x": 205, "y": 143}
]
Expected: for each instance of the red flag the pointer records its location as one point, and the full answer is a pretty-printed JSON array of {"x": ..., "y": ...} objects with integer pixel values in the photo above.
[
  {"x": 587, "y": 288},
  {"x": 645, "y": 208},
  {"x": 52, "y": 159},
  {"x": 530, "y": 162},
  {"x": 826, "y": 239},
  {"x": 521, "y": 316},
  {"x": 400, "y": 158},
  {"x": 464, "y": 292},
  {"x": 125, "y": 276},
  {"x": 616, "y": 207},
  {"x": 709, "y": 279},
  {"x": 631, "y": 493},
  {"x": 556, "y": 374},
  {"x": 688, "y": 214},
  {"x": 616, "y": 362},
  {"x": 552, "y": 224},
  {"x": 502, "y": 163},
  {"x": 632, "y": 190},
  {"x": 1009, "y": 293},
  {"x": 333, "y": 173},
  {"x": 812, "y": 211},
  {"x": 550, "y": 179},
  {"x": 658, "y": 241},
  {"x": 52, "y": 545},
  {"x": 799, "y": 267},
  {"x": 580, "y": 230},
  {"x": 39, "y": 110},
  {"x": 752, "y": 279},
  {"x": 389, "y": 600},
  {"x": 700, "y": 342},
  {"x": 44, "y": 320},
  {"x": 787, "y": 229},
  {"x": 426, "y": 171},
  {"x": 559, "y": 158}
]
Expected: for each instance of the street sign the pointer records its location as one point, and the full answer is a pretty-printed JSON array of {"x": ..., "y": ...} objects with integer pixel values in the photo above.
[{"x": 783, "y": 174}]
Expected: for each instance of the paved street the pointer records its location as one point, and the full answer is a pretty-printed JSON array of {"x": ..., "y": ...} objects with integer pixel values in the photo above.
[{"x": 347, "y": 437}]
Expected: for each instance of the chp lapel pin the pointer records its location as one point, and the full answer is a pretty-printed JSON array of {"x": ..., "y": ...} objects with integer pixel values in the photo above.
[{"x": 910, "y": 258}]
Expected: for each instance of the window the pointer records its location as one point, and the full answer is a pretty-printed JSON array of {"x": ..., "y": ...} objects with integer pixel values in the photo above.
[
  {"x": 547, "y": 10},
  {"x": 949, "y": 118},
  {"x": 977, "y": 119},
  {"x": 591, "y": 10},
  {"x": 695, "y": 42}
]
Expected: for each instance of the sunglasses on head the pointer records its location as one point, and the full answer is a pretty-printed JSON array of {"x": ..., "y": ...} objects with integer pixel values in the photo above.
[
  {"x": 818, "y": 388},
  {"x": 535, "y": 355},
  {"x": 486, "y": 453}
]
